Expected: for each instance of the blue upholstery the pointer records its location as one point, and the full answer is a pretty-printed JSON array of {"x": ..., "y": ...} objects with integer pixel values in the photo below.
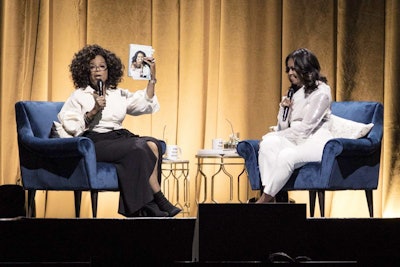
[
  {"x": 58, "y": 163},
  {"x": 347, "y": 164}
]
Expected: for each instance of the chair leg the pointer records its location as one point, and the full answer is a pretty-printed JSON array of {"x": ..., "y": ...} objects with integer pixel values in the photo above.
[
  {"x": 368, "y": 194},
  {"x": 312, "y": 195},
  {"x": 78, "y": 198},
  {"x": 94, "y": 196},
  {"x": 31, "y": 204},
  {"x": 321, "y": 201}
]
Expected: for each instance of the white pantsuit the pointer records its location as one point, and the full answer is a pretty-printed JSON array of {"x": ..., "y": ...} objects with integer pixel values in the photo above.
[{"x": 297, "y": 141}]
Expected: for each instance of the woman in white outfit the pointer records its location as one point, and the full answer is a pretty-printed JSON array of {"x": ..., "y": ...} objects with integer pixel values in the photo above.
[{"x": 301, "y": 137}]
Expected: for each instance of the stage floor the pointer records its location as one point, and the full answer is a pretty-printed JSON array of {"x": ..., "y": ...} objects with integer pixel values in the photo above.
[{"x": 221, "y": 233}]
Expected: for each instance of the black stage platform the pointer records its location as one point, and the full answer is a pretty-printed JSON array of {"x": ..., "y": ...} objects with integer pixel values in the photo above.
[{"x": 221, "y": 234}]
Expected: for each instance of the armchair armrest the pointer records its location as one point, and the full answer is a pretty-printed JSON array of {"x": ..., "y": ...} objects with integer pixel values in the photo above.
[
  {"x": 350, "y": 147},
  {"x": 248, "y": 149},
  {"x": 58, "y": 147},
  {"x": 350, "y": 154},
  {"x": 57, "y": 157}
]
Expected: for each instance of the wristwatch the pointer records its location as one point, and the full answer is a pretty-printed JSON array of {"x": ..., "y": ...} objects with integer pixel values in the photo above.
[{"x": 154, "y": 81}]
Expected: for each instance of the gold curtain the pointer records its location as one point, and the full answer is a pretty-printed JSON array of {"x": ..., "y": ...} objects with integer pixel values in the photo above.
[{"x": 217, "y": 60}]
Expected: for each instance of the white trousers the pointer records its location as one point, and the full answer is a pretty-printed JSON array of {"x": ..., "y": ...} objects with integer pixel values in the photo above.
[{"x": 278, "y": 158}]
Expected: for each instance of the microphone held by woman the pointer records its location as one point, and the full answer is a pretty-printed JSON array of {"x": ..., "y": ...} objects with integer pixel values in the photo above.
[
  {"x": 286, "y": 109},
  {"x": 100, "y": 87}
]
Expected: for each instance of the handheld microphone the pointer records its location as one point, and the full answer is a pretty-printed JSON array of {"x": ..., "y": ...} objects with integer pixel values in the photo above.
[
  {"x": 286, "y": 109},
  {"x": 100, "y": 87}
]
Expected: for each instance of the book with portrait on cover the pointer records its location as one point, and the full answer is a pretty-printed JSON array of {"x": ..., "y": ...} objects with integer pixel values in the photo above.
[{"x": 137, "y": 68}]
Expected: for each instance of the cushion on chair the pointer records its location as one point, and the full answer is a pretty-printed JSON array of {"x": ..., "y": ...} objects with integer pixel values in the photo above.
[
  {"x": 58, "y": 131},
  {"x": 344, "y": 128},
  {"x": 107, "y": 178}
]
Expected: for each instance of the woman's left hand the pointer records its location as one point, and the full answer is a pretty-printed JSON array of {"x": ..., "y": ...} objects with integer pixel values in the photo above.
[
  {"x": 150, "y": 60},
  {"x": 152, "y": 63}
]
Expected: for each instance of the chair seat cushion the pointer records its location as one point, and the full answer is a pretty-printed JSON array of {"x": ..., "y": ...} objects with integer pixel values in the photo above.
[
  {"x": 107, "y": 178},
  {"x": 304, "y": 178}
]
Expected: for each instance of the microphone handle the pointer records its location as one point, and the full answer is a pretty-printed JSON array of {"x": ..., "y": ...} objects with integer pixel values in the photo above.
[
  {"x": 100, "y": 87},
  {"x": 286, "y": 109}
]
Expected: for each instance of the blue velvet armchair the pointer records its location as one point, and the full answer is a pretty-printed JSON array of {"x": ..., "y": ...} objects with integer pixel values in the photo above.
[
  {"x": 347, "y": 164},
  {"x": 61, "y": 164}
]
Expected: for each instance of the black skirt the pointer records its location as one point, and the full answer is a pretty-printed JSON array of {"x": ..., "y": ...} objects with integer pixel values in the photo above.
[{"x": 134, "y": 161}]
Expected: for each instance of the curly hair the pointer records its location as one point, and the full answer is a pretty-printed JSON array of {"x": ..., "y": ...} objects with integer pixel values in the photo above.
[
  {"x": 307, "y": 67},
  {"x": 80, "y": 66}
]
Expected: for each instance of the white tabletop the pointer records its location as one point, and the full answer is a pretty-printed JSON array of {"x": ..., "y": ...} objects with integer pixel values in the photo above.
[
  {"x": 165, "y": 160},
  {"x": 217, "y": 152}
]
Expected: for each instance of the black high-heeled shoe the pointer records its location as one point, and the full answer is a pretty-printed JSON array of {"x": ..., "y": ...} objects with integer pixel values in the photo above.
[
  {"x": 252, "y": 200},
  {"x": 164, "y": 205},
  {"x": 151, "y": 209}
]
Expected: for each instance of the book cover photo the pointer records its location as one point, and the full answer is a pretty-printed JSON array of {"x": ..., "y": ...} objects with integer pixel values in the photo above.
[{"x": 138, "y": 69}]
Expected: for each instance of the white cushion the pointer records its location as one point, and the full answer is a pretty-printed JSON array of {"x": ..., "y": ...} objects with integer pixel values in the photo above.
[
  {"x": 57, "y": 130},
  {"x": 343, "y": 128}
]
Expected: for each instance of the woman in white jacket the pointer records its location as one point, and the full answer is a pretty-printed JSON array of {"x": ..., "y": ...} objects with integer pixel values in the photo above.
[
  {"x": 301, "y": 136},
  {"x": 97, "y": 108}
]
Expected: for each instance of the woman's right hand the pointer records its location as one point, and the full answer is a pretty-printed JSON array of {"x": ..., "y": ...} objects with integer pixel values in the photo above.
[
  {"x": 286, "y": 102},
  {"x": 99, "y": 102}
]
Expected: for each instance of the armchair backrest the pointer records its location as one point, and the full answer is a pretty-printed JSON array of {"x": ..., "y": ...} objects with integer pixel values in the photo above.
[
  {"x": 35, "y": 118},
  {"x": 362, "y": 111}
]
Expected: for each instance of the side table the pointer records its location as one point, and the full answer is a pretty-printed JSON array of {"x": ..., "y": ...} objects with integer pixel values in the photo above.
[
  {"x": 175, "y": 173},
  {"x": 220, "y": 159}
]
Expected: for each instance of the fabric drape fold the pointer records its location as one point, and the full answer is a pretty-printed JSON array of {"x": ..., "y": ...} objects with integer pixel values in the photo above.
[{"x": 217, "y": 60}]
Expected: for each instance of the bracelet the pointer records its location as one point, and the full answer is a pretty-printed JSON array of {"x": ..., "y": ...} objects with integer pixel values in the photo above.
[
  {"x": 153, "y": 81},
  {"x": 87, "y": 119}
]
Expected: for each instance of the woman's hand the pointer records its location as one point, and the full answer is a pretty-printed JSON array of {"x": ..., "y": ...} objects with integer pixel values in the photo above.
[
  {"x": 150, "y": 86},
  {"x": 151, "y": 61},
  {"x": 99, "y": 102},
  {"x": 286, "y": 102}
]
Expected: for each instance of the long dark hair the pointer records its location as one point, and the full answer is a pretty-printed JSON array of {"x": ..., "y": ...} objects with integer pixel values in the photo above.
[
  {"x": 307, "y": 67},
  {"x": 80, "y": 66},
  {"x": 135, "y": 57}
]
